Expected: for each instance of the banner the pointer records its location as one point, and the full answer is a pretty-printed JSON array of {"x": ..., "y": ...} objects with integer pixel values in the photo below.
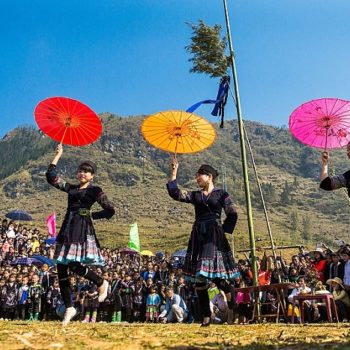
[
  {"x": 51, "y": 224},
  {"x": 134, "y": 241}
]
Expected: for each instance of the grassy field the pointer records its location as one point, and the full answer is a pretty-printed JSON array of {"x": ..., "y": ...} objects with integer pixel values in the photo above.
[{"x": 51, "y": 335}]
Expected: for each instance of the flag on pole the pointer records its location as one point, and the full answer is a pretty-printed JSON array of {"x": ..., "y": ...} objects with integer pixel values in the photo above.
[
  {"x": 220, "y": 102},
  {"x": 134, "y": 241},
  {"x": 51, "y": 224}
]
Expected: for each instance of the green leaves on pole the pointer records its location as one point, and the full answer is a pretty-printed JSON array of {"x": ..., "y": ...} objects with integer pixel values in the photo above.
[{"x": 208, "y": 50}]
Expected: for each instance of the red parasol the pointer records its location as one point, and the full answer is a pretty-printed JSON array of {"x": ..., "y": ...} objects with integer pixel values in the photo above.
[
  {"x": 68, "y": 121},
  {"x": 322, "y": 123}
]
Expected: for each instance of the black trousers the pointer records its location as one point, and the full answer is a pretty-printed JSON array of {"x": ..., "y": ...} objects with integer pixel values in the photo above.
[
  {"x": 77, "y": 268},
  {"x": 203, "y": 297}
]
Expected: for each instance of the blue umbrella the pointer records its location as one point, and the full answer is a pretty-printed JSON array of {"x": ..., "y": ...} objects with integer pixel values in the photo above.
[
  {"x": 50, "y": 241},
  {"x": 44, "y": 260},
  {"x": 26, "y": 261},
  {"x": 19, "y": 215},
  {"x": 181, "y": 253}
]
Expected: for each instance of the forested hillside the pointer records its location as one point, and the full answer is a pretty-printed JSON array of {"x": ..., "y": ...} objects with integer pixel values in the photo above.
[{"x": 134, "y": 174}]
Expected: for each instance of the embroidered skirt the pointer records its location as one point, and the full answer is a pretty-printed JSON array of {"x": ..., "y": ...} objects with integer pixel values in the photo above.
[
  {"x": 209, "y": 254},
  {"x": 87, "y": 253},
  {"x": 77, "y": 241}
]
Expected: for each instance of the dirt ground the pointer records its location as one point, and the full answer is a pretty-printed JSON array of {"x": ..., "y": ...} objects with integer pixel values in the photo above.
[{"x": 51, "y": 335}]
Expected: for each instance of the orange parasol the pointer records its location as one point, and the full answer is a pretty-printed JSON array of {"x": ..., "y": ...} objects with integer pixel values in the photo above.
[
  {"x": 178, "y": 132},
  {"x": 68, "y": 121}
]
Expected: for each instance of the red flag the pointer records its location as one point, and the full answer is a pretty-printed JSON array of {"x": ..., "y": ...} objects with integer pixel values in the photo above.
[{"x": 51, "y": 224}]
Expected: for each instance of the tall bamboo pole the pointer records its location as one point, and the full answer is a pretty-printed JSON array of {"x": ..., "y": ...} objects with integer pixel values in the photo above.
[{"x": 243, "y": 150}]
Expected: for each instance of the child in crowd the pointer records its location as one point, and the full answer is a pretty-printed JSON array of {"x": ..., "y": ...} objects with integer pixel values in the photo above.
[
  {"x": 91, "y": 304},
  {"x": 153, "y": 303},
  {"x": 53, "y": 300},
  {"x": 137, "y": 298},
  {"x": 10, "y": 297},
  {"x": 126, "y": 295},
  {"x": 243, "y": 300},
  {"x": 35, "y": 294},
  {"x": 23, "y": 298}
]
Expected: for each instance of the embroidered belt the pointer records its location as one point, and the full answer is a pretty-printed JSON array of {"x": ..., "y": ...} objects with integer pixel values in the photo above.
[{"x": 84, "y": 212}]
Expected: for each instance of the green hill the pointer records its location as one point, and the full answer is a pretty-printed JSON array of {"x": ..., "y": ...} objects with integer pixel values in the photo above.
[{"x": 133, "y": 174}]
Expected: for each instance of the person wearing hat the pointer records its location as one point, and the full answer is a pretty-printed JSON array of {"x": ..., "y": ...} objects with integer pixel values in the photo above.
[
  {"x": 209, "y": 256},
  {"x": 76, "y": 242},
  {"x": 341, "y": 298},
  {"x": 319, "y": 263}
]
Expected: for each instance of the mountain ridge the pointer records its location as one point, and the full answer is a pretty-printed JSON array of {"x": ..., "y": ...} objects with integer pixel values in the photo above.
[{"x": 133, "y": 174}]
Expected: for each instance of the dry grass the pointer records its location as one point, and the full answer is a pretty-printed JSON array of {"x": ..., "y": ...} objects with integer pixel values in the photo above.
[{"x": 51, "y": 335}]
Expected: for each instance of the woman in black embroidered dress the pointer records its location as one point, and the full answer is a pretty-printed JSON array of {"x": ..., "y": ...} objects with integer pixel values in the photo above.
[
  {"x": 76, "y": 242},
  {"x": 209, "y": 256},
  {"x": 333, "y": 183}
]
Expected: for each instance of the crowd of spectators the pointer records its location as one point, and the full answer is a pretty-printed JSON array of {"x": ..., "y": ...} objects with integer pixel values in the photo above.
[{"x": 154, "y": 289}]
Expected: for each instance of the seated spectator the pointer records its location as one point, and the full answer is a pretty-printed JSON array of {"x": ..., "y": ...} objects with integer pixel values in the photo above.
[
  {"x": 219, "y": 308},
  {"x": 293, "y": 275},
  {"x": 213, "y": 290},
  {"x": 302, "y": 288},
  {"x": 320, "y": 288},
  {"x": 341, "y": 298},
  {"x": 320, "y": 308},
  {"x": 175, "y": 308}
]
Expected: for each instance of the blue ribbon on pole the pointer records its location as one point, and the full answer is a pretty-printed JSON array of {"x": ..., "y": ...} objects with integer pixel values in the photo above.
[{"x": 220, "y": 102}]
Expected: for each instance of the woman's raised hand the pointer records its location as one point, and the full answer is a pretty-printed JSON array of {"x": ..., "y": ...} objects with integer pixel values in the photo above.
[
  {"x": 325, "y": 157},
  {"x": 174, "y": 165},
  {"x": 59, "y": 149}
]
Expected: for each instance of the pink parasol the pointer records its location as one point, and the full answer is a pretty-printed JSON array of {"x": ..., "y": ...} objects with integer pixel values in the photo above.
[{"x": 322, "y": 123}]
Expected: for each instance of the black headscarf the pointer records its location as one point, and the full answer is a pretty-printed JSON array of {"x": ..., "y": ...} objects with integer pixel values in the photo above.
[
  {"x": 208, "y": 170},
  {"x": 89, "y": 166}
]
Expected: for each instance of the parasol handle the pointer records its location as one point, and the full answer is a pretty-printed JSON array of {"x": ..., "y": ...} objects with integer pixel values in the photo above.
[
  {"x": 174, "y": 158},
  {"x": 64, "y": 134},
  {"x": 325, "y": 146},
  {"x": 175, "y": 153}
]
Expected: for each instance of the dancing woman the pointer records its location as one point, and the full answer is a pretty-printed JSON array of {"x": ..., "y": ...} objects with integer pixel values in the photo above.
[
  {"x": 209, "y": 256},
  {"x": 76, "y": 242},
  {"x": 332, "y": 183}
]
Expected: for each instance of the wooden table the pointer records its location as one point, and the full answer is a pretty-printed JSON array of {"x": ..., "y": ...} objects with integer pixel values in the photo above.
[
  {"x": 278, "y": 289},
  {"x": 327, "y": 298}
]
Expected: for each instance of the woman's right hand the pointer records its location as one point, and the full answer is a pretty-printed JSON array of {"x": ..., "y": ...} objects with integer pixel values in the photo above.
[
  {"x": 59, "y": 150},
  {"x": 174, "y": 165},
  {"x": 325, "y": 157}
]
